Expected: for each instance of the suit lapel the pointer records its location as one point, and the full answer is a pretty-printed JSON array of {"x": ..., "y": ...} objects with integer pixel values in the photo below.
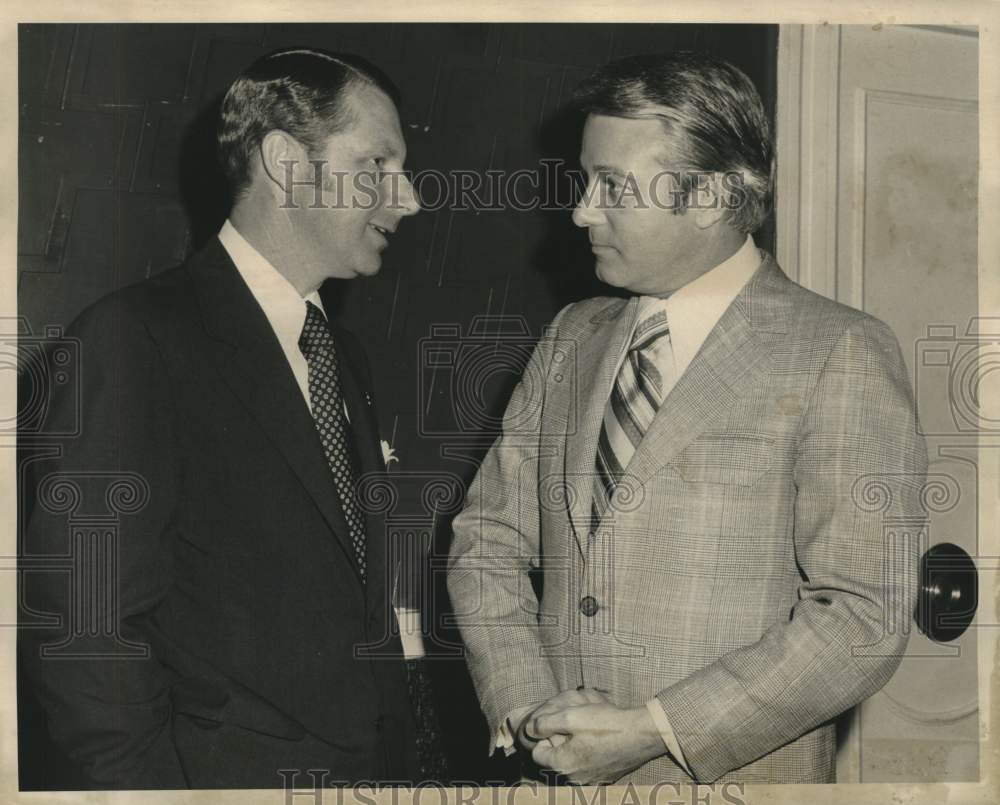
[
  {"x": 597, "y": 359},
  {"x": 359, "y": 406},
  {"x": 364, "y": 428},
  {"x": 735, "y": 356},
  {"x": 252, "y": 363}
]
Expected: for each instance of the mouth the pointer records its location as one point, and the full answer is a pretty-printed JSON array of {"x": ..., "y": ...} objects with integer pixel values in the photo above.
[{"x": 383, "y": 231}]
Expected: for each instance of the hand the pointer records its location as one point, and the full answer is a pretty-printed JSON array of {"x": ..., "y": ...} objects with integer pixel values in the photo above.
[
  {"x": 568, "y": 698},
  {"x": 602, "y": 742}
]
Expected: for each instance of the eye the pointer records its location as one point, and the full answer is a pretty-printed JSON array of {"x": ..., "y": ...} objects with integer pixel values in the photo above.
[{"x": 613, "y": 188}]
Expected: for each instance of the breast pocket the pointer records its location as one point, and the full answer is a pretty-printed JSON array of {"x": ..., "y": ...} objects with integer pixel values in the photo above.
[{"x": 739, "y": 459}]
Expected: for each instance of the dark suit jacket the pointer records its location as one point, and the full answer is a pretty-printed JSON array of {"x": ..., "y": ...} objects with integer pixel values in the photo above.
[{"x": 228, "y": 646}]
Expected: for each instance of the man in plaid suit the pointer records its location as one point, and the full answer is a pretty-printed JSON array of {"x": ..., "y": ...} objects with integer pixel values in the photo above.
[{"x": 694, "y": 469}]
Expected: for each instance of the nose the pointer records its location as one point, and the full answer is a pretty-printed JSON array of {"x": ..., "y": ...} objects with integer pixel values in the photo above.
[
  {"x": 404, "y": 199},
  {"x": 587, "y": 211}
]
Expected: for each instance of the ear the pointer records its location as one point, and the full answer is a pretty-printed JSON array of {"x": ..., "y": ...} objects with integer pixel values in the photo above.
[
  {"x": 706, "y": 200},
  {"x": 283, "y": 158}
]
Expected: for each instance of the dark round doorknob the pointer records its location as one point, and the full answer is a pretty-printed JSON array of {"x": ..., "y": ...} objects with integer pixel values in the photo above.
[{"x": 949, "y": 592}]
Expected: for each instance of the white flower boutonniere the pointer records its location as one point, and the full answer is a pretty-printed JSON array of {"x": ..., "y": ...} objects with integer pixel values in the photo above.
[{"x": 388, "y": 454}]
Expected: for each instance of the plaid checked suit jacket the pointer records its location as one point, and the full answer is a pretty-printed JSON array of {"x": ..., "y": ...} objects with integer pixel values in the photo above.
[{"x": 757, "y": 569}]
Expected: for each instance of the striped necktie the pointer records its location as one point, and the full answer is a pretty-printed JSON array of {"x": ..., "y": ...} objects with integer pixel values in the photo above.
[
  {"x": 327, "y": 402},
  {"x": 635, "y": 398}
]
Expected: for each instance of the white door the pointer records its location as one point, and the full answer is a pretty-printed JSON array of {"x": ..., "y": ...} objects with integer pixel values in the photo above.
[{"x": 877, "y": 208}]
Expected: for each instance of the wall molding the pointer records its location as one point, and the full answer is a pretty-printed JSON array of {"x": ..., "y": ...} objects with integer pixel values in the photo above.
[{"x": 807, "y": 154}]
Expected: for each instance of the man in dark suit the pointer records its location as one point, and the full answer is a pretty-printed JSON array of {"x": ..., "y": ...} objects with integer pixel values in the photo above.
[{"x": 229, "y": 422}]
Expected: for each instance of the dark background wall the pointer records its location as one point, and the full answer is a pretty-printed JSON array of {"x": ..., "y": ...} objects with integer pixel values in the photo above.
[{"x": 117, "y": 181}]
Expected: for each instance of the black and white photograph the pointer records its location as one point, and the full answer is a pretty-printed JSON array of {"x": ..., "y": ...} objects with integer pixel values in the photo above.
[{"x": 599, "y": 408}]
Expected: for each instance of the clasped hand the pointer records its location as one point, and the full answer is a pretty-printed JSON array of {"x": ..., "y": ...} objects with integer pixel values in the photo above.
[{"x": 582, "y": 735}]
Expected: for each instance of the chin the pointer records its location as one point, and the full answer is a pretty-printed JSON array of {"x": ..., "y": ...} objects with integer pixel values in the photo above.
[
  {"x": 369, "y": 268},
  {"x": 609, "y": 276}
]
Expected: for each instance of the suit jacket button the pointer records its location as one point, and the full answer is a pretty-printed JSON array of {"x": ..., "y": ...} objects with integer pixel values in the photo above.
[{"x": 589, "y": 606}]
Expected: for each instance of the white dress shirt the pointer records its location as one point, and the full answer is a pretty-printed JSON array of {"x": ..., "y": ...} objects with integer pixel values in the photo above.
[
  {"x": 692, "y": 313},
  {"x": 694, "y": 309},
  {"x": 285, "y": 310},
  {"x": 284, "y": 307}
]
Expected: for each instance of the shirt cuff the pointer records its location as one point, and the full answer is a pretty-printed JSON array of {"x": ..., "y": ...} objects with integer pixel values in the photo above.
[
  {"x": 504, "y": 738},
  {"x": 410, "y": 633},
  {"x": 667, "y": 733}
]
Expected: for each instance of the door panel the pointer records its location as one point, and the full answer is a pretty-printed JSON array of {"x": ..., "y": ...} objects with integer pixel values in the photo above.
[{"x": 901, "y": 198}]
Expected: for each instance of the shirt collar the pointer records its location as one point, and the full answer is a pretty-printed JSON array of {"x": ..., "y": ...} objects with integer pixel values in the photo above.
[
  {"x": 277, "y": 297},
  {"x": 696, "y": 308}
]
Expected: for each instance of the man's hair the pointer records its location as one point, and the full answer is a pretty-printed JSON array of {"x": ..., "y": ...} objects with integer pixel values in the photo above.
[
  {"x": 710, "y": 111},
  {"x": 301, "y": 91}
]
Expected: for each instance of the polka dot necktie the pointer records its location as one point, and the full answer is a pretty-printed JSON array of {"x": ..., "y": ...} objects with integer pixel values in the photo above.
[{"x": 327, "y": 400}]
